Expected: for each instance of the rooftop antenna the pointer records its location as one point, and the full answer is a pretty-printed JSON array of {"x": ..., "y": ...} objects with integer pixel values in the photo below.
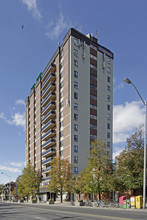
[{"x": 96, "y": 34}]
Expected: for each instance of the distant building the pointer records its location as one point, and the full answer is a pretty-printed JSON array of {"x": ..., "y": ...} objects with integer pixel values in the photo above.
[
  {"x": 70, "y": 104},
  {"x": 7, "y": 189}
]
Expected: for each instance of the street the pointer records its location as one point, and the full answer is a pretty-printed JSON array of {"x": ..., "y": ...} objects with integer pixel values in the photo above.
[{"x": 19, "y": 211}]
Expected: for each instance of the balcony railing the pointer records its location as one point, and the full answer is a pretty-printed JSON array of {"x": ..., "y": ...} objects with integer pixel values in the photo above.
[
  {"x": 51, "y": 94},
  {"x": 48, "y": 114},
  {"x": 46, "y": 178},
  {"x": 49, "y": 132},
  {"x": 48, "y": 143},
  {"x": 49, "y": 105},
  {"x": 47, "y": 161},
  {"x": 47, "y": 169},
  {"x": 48, "y": 124},
  {"x": 50, "y": 76},
  {"x": 48, "y": 88},
  {"x": 51, "y": 67}
]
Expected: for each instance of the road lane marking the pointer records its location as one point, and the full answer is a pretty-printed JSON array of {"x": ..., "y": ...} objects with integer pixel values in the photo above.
[{"x": 75, "y": 213}]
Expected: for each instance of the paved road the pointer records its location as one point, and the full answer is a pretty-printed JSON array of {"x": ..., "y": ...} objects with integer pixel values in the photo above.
[{"x": 45, "y": 212}]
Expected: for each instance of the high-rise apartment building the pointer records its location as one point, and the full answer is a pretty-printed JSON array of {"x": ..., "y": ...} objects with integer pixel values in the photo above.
[{"x": 70, "y": 104}]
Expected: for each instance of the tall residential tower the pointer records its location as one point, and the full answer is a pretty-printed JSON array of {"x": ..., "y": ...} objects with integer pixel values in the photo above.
[{"x": 70, "y": 104}]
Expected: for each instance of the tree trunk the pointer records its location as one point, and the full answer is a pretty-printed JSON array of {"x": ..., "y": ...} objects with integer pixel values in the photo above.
[{"x": 61, "y": 196}]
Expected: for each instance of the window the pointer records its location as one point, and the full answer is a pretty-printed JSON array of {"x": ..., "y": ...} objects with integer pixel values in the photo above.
[
  {"x": 75, "y": 74},
  {"x": 61, "y": 114},
  {"x": 75, "y": 138},
  {"x": 61, "y": 133},
  {"x": 75, "y": 52},
  {"x": 93, "y": 47},
  {"x": 93, "y": 97},
  {"x": 75, "y": 159},
  {"x": 108, "y": 60},
  {"x": 75, "y": 127},
  {"x": 61, "y": 153},
  {"x": 93, "y": 126},
  {"x": 108, "y": 125},
  {"x": 76, "y": 85},
  {"x": 75, "y": 170},
  {"x": 108, "y": 107},
  {"x": 93, "y": 136},
  {"x": 93, "y": 57},
  {"x": 93, "y": 67},
  {"x": 108, "y": 134},
  {"x": 75, "y": 62},
  {"x": 61, "y": 123},
  {"x": 108, "y": 70},
  {"x": 76, "y": 117},
  {"x": 75, "y": 95},
  {"x": 93, "y": 76},
  {"x": 108, "y": 79},
  {"x": 61, "y": 85},
  {"x": 75, "y": 149},
  {"x": 108, "y": 144},
  {"x": 108, "y": 116},
  {"x": 108, "y": 98},
  {"x": 61, "y": 95},
  {"x": 108, "y": 153},
  {"x": 61, "y": 104},
  {"x": 93, "y": 86},
  {"x": 93, "y": 106},
  {"x": 75, "y": 106},
  {"x": 61, "y": 75},
  {"x": 109, "y": 88},
  {"x": 93, "y": 116},
  {"x": 61, "y": 144},
  {"x": 75, "y": 42}
]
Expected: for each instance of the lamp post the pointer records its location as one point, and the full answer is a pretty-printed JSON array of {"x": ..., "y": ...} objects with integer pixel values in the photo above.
[
  {"x": 126, "y": 80},
  {"x": 9, "y": 182}
]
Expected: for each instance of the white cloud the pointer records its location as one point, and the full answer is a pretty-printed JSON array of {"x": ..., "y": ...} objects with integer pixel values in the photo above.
[
  {"x": 20, "y": 102},
  {"x": 17, "y": 164},
  {"x": 55, "y": 29},
  {"x": 10, "y": 169},
  {"x": 32, "y": 6},
  {"x": 17, "y": 119},
  {"x": 117, "y": 151},
  {"x": 126, "y": 118}
]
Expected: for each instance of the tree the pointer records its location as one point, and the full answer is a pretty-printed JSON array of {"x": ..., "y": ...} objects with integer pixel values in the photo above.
[
  {"x": 78, "y": 183},
  {"x": 60, "y": 175},
  {"x": 28, "y": 182},
  {"x": 129, "y": 171},
  {"x": 1, "y": 188},
  {"x": 98, "y": 173}
]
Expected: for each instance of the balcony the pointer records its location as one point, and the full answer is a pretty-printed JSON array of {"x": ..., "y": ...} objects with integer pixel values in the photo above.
[
  {"x": 48, "y": 135},
  {"x": 50, "y": 68},
  {"x": 49, "y": 97},
  {"x": 46, "y": 178},
  {"x": 50, "y": 106},
  {"x": 50, "y": 78},
  {"x": 47, "y": 161},
  {"x": 46, "y": 170},
  {"x": 49, "y": 152},
  {"x": 49, "y": 116},
  {"x": 48, "y": 144},
  {"x": 48, "y": 126},
  {"x": 49, "y": 88}
]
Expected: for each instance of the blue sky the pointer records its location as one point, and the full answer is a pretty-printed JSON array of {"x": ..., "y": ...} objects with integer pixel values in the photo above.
[{"x": 24, "y": 53}]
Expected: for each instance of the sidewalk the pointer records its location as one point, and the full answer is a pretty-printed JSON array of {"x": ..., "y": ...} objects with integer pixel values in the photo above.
[{"x": 69, "y": 204}]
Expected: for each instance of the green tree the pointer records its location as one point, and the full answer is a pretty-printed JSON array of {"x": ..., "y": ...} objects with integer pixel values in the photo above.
[
  {"x": 28, "y": 182},
  {"x": 60, "y": 175},
  {"x": 98, "y": 173},
  {"x": 129, "y": 171},
  {"x": 1, "y": 188},
  {"x": 78, "y": 183}
]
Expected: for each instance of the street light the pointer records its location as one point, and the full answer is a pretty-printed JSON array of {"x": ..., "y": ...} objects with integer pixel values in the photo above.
[
  {"x": 9, "y": 182},
  {"x": 126, "y": 80}
]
